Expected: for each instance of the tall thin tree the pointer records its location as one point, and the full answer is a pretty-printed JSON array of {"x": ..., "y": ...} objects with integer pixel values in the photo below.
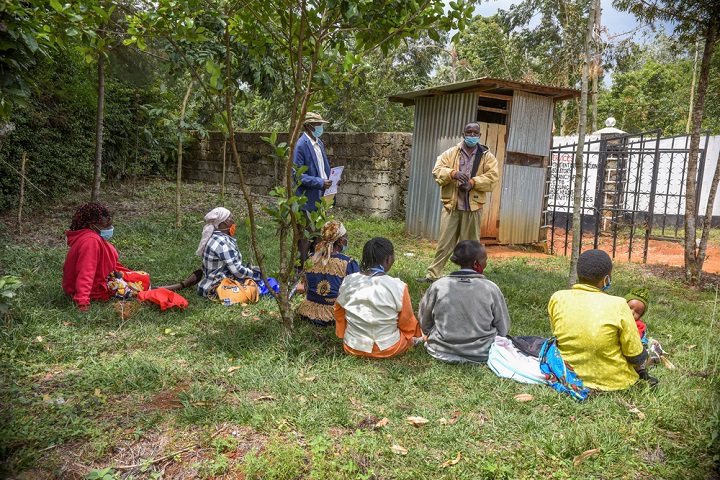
[
  {"x": 693, "y": 21},
  {"x": 579, "y": 153}
]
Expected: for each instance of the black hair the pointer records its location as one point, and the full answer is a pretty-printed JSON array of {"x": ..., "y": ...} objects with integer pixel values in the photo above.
[
  {"x": 467, "y": 251},
  {"x": 471, "y": 123},
  {"x": 375, "y": 252},
  {"x": 593, "y": 266},
  {"x": 87, "y": 215}
]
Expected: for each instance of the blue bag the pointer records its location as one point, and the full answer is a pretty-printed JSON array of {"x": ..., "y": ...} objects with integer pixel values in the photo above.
[{"x": 264, "y": 289}]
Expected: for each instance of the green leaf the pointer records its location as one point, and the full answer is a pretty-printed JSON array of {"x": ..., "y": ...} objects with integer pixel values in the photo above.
[
  {"x": 56, "y": 5},
  {"x": 30, "y": 42}
]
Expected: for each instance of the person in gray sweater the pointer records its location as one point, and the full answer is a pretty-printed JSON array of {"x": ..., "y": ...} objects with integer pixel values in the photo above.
[{"x": 463, "y": 312}]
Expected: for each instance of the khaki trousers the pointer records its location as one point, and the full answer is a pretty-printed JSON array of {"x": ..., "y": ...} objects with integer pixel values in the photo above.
[{"x": 455, "y": 225}]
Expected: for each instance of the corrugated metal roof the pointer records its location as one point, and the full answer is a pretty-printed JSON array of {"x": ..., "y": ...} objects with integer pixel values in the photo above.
[{"x": 487, "y": 84}]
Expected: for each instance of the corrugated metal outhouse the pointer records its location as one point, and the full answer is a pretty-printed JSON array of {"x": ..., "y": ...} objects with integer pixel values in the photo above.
[{"x": 516, "y": 125}]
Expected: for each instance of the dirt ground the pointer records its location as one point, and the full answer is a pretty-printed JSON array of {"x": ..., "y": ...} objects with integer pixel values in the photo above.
[{"x": 660, "y": 252}]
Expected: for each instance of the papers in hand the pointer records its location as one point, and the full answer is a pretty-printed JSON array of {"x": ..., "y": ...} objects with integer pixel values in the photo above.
[{"x": 335, "y": 174}]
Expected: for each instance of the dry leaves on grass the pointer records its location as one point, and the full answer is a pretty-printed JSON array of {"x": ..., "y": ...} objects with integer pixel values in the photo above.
[
  {"x": 383, "y": 422},
  {"x": 398, "y": 450},
  {"x": 417, "y": 421},
  {"x": 259, "y": 397},
  {"x": 309, "y": 378},
  {"x": 635, "y": 410},
  {"x": 584, "y": 456},
  {"x": 231, "y": 370},
  {"x": 451, "y": 462},
  {"x": 524, "y": 397},
  {"x": 126, "y": 309}
]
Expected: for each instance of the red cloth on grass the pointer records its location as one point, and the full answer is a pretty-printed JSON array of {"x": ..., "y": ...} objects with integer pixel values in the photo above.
[
  {"x": 163, "y": 297},
  {"x": 87, "y": 264}
]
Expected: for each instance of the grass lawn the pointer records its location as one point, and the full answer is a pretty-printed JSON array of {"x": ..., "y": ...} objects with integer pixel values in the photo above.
[{"x": 214, "y": 392}]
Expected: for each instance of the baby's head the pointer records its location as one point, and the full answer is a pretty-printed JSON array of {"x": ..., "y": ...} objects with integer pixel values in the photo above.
[{"x": 637, "y": 301}]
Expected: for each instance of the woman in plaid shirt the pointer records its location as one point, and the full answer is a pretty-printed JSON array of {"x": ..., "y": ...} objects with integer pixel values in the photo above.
[{"x": 220, "y": 254}]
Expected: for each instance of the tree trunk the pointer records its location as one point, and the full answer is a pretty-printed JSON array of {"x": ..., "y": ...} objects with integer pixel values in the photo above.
[
  {"x": 692, "y": 92},
  {"x": 707, "y": 221},
  {"x": 582, "y": 126},
  {"x": 563, "y": 118},
  {"x": 97, "y": 177},
  {"x": 692, "y": 262},
  {"x": 595, "y": 99},
  {"x": 22, "y": 190},
  {"x": 178, "y": 186}
]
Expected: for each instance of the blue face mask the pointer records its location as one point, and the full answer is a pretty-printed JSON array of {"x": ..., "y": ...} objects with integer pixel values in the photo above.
[
  {"x": 318, "y": 131},
  {"x": 107, "y": 233},
  {"x": 606, "y": 285},
  {"x": 472, "y": 141},
  {"x": 344, "y": 249}
]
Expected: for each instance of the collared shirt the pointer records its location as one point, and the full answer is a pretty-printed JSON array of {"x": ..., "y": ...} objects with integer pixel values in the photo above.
[
  {"x": 596, "y": 334},
  {"x": 318, "y": 156},
  {"x": 466, "y": 161},
  {"x": 222, "y": 259}
]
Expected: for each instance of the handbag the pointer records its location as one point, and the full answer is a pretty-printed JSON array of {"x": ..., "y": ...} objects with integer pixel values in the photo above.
[{"x": 231, "y": 292}]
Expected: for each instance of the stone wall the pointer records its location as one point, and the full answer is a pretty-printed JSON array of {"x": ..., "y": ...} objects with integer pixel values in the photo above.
[{"x": 374, "y": 181}]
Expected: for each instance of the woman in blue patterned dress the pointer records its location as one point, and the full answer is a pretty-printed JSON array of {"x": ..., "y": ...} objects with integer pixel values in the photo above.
[{"x": 323, "y": 279}]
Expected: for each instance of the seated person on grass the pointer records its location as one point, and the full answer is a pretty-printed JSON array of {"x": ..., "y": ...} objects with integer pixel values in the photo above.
[
  {"x": 463, "y": 312},
  {"x": 329, "y": 269},
  {"x": 91, "y": 270},
  {"x": 373, "y": 312},
  {"x": 596, "y": 333},
  {"x": 637, "y": 300},
  {"x": 226, "y": 278}
]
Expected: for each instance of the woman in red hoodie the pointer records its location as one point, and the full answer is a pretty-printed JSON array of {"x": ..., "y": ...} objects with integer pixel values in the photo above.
[{"x": 91, "y": 257}]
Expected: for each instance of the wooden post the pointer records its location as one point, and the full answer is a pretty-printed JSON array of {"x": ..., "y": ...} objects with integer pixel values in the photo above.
[
  {"x": 178, "y": 185},
  {"x": 22, "y": 190}
]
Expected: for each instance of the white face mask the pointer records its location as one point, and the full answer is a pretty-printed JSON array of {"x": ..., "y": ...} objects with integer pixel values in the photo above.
[{"x": 107, "y": 233}]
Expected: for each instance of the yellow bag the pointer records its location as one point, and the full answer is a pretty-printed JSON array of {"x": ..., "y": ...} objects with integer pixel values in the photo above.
[{"x": 232, "y": 292}]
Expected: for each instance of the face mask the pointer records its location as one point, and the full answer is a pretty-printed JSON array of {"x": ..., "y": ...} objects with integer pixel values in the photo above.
[
  {"x": 344, "y": 249},
  {"x": 606, "y": 283},
  {"x": 318, "y": 131},
  {"x": 479, "y": 268},
  {"x": 231, "y": 232},
  {"x": 472, "y": 141},
  {"x": 107, "y": 233}
]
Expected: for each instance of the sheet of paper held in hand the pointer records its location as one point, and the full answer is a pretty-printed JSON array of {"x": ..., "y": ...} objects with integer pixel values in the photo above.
[{"x": 335, "y": 174}]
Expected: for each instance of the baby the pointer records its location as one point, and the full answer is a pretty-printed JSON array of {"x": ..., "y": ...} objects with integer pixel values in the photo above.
[{"x": 638, "y": 303}]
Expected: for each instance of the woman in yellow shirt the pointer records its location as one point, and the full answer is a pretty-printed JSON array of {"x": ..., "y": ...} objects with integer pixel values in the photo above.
[{"x": 596, "y": 332}]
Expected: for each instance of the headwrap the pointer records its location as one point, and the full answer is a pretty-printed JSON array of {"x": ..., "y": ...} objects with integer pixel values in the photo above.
[
  {"x": 88, "y": 214},
  {"x": 215, "y": 217},
  {"x": 329, "y": 234},
  {"x": 640, "y": 294}
]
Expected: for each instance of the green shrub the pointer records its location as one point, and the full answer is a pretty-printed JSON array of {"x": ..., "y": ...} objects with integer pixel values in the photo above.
[
  {"x": 57, "y": 132},
  {"x": 8, "y": 288}
]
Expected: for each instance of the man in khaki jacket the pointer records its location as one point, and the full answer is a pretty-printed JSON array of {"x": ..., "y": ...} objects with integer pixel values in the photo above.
[{"x": 465, "y": 173}]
